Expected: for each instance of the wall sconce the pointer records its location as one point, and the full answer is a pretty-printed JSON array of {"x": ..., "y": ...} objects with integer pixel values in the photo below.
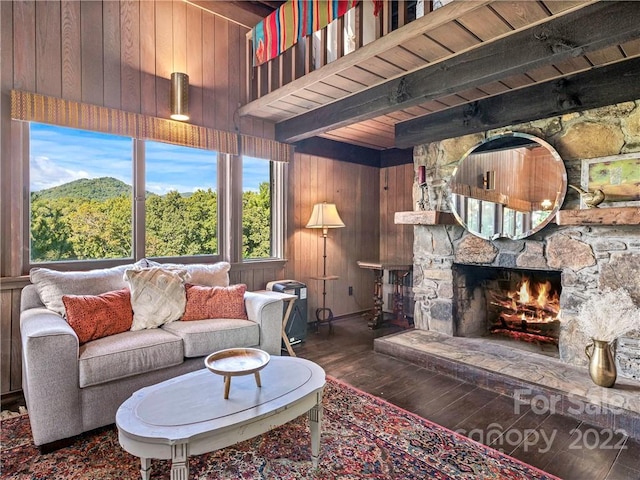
[
  {"x": 489, "y": 180},
  {"x": 179, "y": 96}
]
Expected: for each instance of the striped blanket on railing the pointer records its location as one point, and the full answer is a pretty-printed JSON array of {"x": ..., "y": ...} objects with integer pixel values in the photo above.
[{"x": 292, "y": 21}]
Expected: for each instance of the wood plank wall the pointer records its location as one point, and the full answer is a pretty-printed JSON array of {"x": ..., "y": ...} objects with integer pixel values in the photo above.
[
  {"x": 121, "y": 55},
  {"x": 355, "y": 191},
  {"x": 396, "y": 195}
]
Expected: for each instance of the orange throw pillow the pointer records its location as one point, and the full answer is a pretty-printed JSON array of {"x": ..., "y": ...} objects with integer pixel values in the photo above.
[
  {"x": 97, "y": 316},
  {"x": 214, "y": 302}
]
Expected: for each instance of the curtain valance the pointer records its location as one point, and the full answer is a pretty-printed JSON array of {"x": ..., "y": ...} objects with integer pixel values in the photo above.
[{"x": 33, "y": 107}]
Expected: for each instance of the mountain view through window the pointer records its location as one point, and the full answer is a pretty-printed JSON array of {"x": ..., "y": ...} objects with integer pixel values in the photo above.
[{"x": 82, "y": 198}]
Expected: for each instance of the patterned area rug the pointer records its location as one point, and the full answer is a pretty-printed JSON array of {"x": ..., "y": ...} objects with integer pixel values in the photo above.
[{"x": 363, "y": 437}]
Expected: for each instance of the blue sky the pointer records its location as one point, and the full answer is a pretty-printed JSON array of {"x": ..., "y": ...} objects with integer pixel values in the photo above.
[{"x": 60, "y": 155}]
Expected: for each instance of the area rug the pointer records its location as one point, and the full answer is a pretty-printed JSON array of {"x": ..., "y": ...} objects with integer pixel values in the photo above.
[{"x": 363, "y": 437}]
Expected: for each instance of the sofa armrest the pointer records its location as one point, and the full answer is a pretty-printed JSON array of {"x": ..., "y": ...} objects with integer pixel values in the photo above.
[
  {"x": 50, "y": 375},
  {"x": 267, "y": 311}
]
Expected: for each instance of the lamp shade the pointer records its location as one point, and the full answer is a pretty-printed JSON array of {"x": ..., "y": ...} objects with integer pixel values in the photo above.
[
  {"x": 180, "y": 96},
  {"x": 325, "y": 215}
]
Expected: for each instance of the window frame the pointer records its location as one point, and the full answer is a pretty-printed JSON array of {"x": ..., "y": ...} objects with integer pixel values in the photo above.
[{"x": 229, "y": 188}]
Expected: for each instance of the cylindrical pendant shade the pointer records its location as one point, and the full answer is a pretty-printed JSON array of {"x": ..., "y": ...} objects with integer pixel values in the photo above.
[
  {"x": 179, "y": 96},
  {"x": 325, "y": 215}
]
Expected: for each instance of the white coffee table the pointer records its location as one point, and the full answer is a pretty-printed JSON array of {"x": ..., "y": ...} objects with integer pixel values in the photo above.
[{"x": 188, "y": 415}]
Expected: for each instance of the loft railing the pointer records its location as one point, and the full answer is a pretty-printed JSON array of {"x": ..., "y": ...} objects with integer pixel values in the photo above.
[{"x": 341, "y": 37}]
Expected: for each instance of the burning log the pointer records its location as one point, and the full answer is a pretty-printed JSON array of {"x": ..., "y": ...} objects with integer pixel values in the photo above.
[
  {"x": 547, "y": 328},
  {"x": 508, "y": 319},
  {"x": 508, "y": 304}
]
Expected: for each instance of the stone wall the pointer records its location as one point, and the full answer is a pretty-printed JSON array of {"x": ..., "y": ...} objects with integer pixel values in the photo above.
[{"x": 589, "y": 257}]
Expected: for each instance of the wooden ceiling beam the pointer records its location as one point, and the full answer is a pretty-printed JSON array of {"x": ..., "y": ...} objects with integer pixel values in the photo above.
[
  {"x": 230, "y": 11},
  {"x": 607, "y": 85},
  {"x": 588, "y": 29},
  {"x": 345, "y": 152}
]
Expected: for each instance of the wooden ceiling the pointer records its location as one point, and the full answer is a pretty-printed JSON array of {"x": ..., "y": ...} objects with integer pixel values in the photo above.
[{"x": 466, "y": 67}]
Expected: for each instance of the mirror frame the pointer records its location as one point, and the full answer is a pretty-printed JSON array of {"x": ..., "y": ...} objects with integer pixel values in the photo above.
[{"x": 506, "y": 141}]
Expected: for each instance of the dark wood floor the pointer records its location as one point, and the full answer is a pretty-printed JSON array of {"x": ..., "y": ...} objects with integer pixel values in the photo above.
[{"x": 559, "y": 445}]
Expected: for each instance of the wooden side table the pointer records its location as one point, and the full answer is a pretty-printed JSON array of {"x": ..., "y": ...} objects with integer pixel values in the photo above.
[
  {"x": 290, "y": 300},
  {"x": 378, "y": 267}
]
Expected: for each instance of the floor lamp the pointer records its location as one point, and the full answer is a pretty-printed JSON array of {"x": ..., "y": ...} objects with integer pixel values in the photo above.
[{"x": 325, "y": 216}]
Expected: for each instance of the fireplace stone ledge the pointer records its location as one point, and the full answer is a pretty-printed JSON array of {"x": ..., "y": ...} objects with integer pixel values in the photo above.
[{"x": 521, "y": 375}]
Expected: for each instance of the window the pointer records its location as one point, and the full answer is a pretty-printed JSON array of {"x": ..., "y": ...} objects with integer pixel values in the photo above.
[
  {"x": 488, "y": 218},
  {"x": 181, "y": 206},
  {"x": 473, "y": 214},
  {"x": 80, "y": 195},
  {"x": 83, "y": 186},
  {"x": 256, "y": 208}
]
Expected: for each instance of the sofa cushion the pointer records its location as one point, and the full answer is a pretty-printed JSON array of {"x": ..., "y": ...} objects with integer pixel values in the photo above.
[
  {"x": 52, "y": 285},
  {"x": 157, "y": 296},
  {"x": 207, "y": 274},
  {"x": 98, "y": 316},
  {"x": 214, "y": 302},
  {"x": 126, "y": 354},
  {"x": 202, "y": 337}
]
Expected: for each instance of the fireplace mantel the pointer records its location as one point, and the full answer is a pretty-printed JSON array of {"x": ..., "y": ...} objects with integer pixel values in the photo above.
[
  {"x": 600, "y": 216},
  {"x": 590, "y": 216},
  {"x": 424, "y": 217}
]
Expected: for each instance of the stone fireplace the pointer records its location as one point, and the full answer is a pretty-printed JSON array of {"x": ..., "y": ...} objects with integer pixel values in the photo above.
[
  {"x": 578, "y": 259},
  {"x": 584, "y": 259}
]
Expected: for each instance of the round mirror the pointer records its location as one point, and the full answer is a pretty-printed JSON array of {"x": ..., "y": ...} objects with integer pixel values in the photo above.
[{"x": 510, "y": 185}]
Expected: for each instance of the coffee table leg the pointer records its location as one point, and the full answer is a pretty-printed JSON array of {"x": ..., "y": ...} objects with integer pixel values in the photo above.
[
  {"x": 315, "y": 421},
  {"x": 179, "y": 462},
  {"x": 227, "y": 386},
  {"x": 145, "y": 468},
  {"x": 257, "y": 375}
]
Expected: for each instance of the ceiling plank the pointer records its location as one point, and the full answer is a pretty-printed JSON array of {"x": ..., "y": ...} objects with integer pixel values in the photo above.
[
  {"x": 593, "y": 27},
  {"x": 613, "y": 83}
]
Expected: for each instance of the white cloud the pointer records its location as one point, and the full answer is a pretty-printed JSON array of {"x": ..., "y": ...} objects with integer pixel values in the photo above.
[{"x": 44, "y": 173}]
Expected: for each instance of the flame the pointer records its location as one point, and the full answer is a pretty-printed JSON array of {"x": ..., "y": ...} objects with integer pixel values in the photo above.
[
  {"x": 524, "y": 295},
  {"x": 540, "y": 296}
]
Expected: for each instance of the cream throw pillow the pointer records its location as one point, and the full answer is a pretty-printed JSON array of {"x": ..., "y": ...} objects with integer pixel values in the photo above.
[
  {"x": 53, "y": 284},
  {"x": 207, "y": 274},
  {"x": 157, "y": 296}
]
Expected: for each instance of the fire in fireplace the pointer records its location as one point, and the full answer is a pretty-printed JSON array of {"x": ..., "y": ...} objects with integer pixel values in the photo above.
[
  {"x": 522, "y": 305},
  {"x": 529, "y": 313}
]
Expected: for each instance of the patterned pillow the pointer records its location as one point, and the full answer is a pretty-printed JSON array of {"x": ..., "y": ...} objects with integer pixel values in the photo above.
[
  {"x": 157, "y": 296},
  {"x": 215, "y": 302},
  {"x": 97, "y": 316}
]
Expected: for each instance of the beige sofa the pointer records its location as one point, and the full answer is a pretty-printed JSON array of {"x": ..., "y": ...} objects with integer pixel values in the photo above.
[{"x": 71, "y": 388}]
